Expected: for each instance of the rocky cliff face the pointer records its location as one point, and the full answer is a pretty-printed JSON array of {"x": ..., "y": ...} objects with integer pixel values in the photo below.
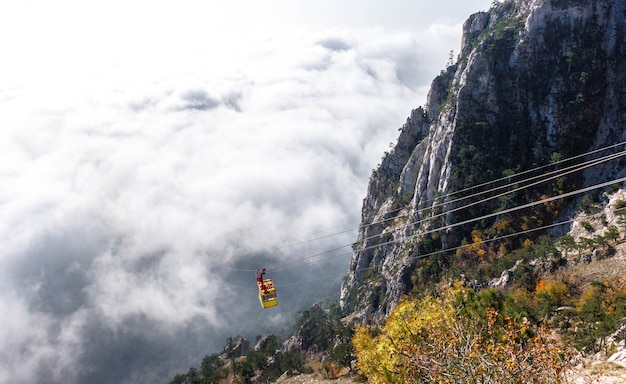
[{"x": 536, "y": 81}]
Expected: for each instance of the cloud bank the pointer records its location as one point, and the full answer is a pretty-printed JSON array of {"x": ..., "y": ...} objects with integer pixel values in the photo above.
[{"x": 141, "y": 190}]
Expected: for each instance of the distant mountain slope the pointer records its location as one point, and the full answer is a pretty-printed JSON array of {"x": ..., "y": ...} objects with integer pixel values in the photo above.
[{"x": 537, "y": 82}]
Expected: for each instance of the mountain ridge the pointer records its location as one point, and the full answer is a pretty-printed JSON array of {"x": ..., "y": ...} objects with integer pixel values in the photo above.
[{"x": 536, "y": 81}]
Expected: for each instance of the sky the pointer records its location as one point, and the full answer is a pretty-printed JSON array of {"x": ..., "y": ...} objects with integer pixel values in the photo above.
[{"x": 154, "y": 154}]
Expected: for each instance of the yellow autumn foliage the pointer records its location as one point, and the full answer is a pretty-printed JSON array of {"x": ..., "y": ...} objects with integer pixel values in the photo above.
[
  {"x": 428, "y": 340},
  {"x": 553, "y": 291}
]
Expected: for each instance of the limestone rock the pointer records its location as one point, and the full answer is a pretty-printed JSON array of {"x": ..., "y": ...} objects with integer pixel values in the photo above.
[{"x": 534, "y": 78}]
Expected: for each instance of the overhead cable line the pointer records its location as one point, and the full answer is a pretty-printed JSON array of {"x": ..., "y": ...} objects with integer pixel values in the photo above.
[
  {"x": 439, "y": 252},
  {"x": 541, "y": 167},
  {"x": 510, "y": 178},
  {"x": 528, "y": 205},
  {"x": 442, "y": 251},
  {"x": 561, "y": 196},
  {"x": 556, "y": 174}
]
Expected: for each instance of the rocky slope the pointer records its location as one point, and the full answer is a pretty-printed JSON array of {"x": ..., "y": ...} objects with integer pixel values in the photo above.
[{"x": 536, "y": 81}]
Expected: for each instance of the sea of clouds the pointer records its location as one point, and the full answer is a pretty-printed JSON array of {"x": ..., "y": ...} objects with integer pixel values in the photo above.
[{"x": 142, "y": 184}]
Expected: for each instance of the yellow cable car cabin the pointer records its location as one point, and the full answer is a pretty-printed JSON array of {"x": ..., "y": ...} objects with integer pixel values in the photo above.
[{"x": 267, "y": 290}]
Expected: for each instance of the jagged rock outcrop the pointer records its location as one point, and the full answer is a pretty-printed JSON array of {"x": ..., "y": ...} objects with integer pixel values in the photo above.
[
  {"x": 314, "y": 331},
  {"x": 236, "y": 347},
  {"x": 536, "y": 81}
]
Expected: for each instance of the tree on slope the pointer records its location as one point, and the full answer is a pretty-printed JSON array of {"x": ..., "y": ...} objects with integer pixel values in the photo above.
[{"x": 457, "y": 336}]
